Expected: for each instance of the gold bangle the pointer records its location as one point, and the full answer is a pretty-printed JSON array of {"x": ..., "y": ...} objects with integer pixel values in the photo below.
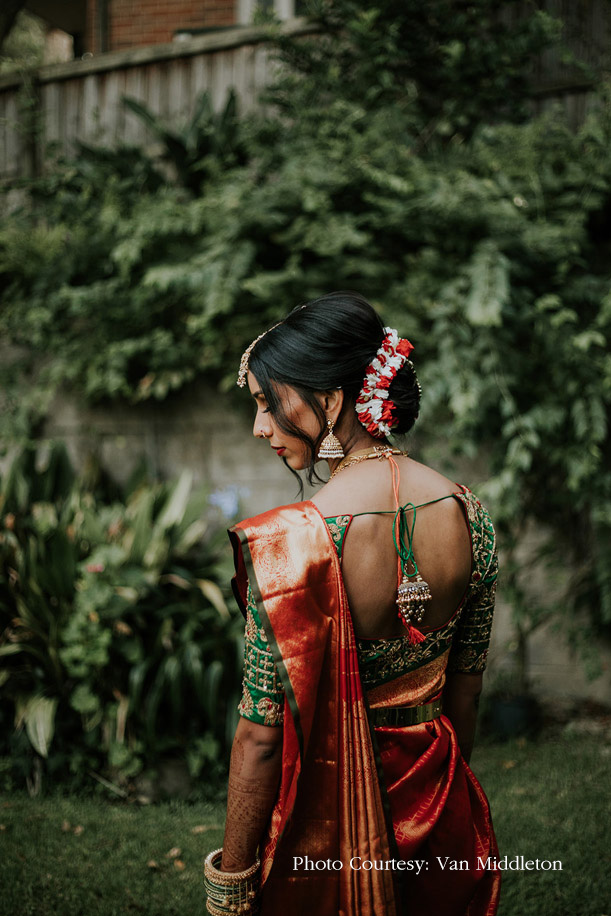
[
  {"x": 227, "y": 877},
  {"x": 230, "y": 892}
]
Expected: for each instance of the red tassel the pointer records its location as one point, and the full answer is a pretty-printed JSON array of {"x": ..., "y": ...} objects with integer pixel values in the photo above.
[{"x": 415, "y": 636}]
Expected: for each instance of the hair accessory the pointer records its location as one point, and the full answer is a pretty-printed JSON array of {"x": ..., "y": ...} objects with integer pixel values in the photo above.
[
  {"x": 242, "y": 371},
  {"x": 376, "y": 411},
  {"x": 330, "y": 447},
  {"x": 230, "y": 892}
]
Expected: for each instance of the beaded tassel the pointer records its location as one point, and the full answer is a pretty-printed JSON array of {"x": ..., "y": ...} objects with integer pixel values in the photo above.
[{"x": 412, "y": 595}]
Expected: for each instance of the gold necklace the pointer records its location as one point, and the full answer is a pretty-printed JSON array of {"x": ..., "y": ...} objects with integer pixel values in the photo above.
[{"x": 378, "y": 451}]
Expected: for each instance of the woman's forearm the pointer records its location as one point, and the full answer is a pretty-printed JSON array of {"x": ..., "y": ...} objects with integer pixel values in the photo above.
[
  {"x": 460, "y": 701},
  {"x": 254, "y": 774}
]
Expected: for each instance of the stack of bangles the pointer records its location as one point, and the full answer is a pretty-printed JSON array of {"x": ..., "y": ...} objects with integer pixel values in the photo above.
[{"x": 231, "y": 892}]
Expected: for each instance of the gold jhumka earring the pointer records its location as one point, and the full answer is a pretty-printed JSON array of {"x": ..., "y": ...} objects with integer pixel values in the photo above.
[{"x": 330, "y": 447}]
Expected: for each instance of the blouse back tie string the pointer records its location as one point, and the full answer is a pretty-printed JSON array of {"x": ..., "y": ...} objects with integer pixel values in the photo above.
[{"x": 412, "y": 591}]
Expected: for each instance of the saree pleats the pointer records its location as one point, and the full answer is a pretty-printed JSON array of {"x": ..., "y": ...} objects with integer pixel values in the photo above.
[
  {"x": 440, "y": 814},
  {"x": 364, "y": 837},
  {"x": 439, "y": 810},
  {"x": 347, "y": 794}
]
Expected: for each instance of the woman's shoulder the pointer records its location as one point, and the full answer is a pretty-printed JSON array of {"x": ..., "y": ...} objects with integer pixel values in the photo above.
[
  {"x": 279, "y": 518},
  {"x": 367, "y": 487},
  {"x": 483, "y": 535}
]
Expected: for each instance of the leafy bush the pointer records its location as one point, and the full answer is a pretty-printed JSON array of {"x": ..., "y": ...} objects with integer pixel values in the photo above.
[
  {"x": 116, "y": 645},
  {"x": 448, "y": 66},
  {"x": 207, "y": 145}
]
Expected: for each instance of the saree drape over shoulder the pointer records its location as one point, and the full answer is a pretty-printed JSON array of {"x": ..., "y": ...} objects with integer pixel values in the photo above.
[{"x": 351, "y": 794}]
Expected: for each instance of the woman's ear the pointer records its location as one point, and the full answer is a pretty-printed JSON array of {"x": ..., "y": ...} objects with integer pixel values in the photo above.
[{"x": 332, "y": 402}]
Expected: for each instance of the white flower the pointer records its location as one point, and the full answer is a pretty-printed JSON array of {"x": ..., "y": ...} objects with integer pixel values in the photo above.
[{"x": 385, "y": 365}]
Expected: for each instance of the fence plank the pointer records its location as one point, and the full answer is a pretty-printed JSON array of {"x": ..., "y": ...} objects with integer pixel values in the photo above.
[
  {"x": 200, "y": 74},
  {"x": 10, "y": 129},
  {"x": 51, "y": 113},
  {"x": 132, "y": 130},
  {"x": 90, "y": 122}
]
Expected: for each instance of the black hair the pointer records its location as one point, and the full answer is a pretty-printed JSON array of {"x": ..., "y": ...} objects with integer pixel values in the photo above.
[{"x": 324, "y": 344}]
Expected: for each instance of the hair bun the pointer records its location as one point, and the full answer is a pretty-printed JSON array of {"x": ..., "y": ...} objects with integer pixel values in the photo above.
[{"x": 405, "y": 392}]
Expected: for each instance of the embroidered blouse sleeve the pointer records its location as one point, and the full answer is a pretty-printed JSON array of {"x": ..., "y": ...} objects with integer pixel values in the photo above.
[
  {"x": 262, "y": 691},
  {"x": 470, "y": 644}
]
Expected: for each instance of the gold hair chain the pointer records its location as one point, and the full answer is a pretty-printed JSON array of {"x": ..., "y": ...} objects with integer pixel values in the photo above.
[{"x": 243, "y": 370}]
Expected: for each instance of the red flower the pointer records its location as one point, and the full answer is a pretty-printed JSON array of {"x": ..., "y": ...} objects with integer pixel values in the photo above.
[
  {"x": 404, "y": 347},
  {"x": 387, "y": 411}
]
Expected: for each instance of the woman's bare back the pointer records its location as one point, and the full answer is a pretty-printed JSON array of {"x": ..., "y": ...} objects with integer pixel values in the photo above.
[{"x": 442, "y": 545}]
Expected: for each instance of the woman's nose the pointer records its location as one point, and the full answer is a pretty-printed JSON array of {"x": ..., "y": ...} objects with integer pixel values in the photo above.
[{"x": 261, "y": 427}]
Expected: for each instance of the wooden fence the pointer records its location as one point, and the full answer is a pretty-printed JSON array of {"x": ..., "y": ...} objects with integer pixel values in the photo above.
[{"x": 81, "y": 100}]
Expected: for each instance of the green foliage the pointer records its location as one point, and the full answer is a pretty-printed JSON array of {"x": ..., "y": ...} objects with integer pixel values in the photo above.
[
  {"x": 447, "y": 65},
  {"x": 24, "y": 46},
  {"x": 107, "y": 270},
  {"x": 383, "y": 169},
  {"x": 208, "y": 144},
  {"x": 116, "y": 645}
]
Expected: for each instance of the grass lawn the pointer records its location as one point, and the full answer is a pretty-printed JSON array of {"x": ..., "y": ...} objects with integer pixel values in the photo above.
[
  {"x": 66, "y": 856},
  {"x": 63, "y": 856},
  {"x": 550, "y": 800}
]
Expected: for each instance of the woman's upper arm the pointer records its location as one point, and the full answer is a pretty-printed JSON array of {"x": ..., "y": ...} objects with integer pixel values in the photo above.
[
  {"x": 261, "y": 736},
  {"x": 262, "y": 699},
  {"x": 460, "y": 686}
]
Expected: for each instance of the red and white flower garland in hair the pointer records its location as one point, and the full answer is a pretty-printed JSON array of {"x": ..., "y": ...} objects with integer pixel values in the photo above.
[{"x": 375, "y": 409}]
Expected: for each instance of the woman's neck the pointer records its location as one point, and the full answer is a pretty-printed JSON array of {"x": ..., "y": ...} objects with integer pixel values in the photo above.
[{"x": 357, "y": 443}]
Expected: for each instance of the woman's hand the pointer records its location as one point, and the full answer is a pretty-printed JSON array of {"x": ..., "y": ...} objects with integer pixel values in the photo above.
[
  {"x": 460, "y": 701},
  {"x": 254, "y": 774}
]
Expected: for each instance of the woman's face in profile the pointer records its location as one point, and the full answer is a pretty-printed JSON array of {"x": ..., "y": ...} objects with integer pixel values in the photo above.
[{"x": 293, "y": 450}]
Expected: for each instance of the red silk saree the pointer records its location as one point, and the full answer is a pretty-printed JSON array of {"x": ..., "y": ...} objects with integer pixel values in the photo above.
[{"x": 357, "y": 808}]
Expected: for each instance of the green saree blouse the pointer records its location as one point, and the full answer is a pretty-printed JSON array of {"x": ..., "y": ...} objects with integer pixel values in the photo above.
[{"x": 466, "y": 634}]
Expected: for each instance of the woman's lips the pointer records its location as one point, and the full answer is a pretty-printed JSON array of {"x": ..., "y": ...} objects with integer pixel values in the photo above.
[{"x": 279, "y": 451}]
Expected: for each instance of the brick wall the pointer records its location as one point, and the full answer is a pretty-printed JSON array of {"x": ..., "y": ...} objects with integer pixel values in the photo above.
[{"x": 150, "y": 22}]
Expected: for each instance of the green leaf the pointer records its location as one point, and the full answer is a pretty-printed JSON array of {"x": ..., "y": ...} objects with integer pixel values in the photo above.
[
  {"x": 489, "y": 292},
  {"x": 215, "y": 596},
  {"x": 38, "y": 714},
  {"x": 212, "y": 684},
  {"x": 83, "y": 700},
  {"x": 176, "y": 503}
]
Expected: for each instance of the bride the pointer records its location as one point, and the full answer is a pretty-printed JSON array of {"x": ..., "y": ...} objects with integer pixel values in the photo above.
[{"x": 368, "y": 612}]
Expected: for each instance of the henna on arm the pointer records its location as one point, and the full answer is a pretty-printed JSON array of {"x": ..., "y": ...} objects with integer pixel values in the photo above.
[{"x": 254, "y": 774}]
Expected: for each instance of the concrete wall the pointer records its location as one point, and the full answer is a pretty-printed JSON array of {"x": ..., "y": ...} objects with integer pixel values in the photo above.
[
  {"x": 202, "y": 431},
  {"x": 207, "y": 433}
]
